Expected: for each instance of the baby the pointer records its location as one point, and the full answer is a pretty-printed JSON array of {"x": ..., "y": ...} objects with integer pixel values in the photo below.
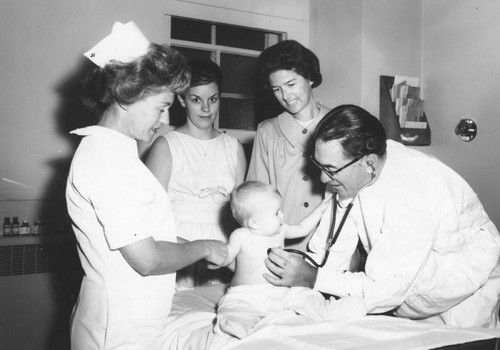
[{"x": 256, "y": 207}]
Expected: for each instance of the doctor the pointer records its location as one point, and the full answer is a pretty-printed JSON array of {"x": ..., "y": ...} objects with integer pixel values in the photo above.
[{"x": 433, "y": 253}]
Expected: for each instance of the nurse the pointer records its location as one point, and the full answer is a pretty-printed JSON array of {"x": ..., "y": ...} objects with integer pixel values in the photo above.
[
  {"x": 433, "y": 253},
  {"x": 291, "y": 72},
  {"x": 121, "y": 215}
]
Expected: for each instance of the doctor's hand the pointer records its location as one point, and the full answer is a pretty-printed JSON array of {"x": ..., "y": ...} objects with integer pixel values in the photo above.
[{"x": 289, "y": 270}]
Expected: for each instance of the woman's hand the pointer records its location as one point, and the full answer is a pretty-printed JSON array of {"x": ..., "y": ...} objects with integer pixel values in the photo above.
[
  {"x": 216, "y": 252},
  {"x": 289, "y": 269}
]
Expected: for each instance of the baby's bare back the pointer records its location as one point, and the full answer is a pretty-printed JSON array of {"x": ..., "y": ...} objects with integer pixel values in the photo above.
[{"x": 250, "y": 265}]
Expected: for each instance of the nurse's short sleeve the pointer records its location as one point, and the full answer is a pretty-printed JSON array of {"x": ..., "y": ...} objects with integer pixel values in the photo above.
[{"x": 126, "y": 205}]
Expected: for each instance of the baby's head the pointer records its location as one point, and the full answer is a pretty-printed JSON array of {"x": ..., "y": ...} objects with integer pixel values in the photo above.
[{"x": 256, "y": 205}]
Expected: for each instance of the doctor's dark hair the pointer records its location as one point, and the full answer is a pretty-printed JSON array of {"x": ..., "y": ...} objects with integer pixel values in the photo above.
[
  {"x": 289, "y": 55},
  {"x": 359, "y": 132},
  {"x": 243, "y": 203},
  {"x": 162, "y": 67}
]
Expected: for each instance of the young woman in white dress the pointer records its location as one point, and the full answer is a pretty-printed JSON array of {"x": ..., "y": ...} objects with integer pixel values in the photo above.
[{"x": 199, "y": 166}]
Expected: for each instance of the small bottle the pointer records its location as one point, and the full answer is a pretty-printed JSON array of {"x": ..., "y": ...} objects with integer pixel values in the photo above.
[
  {"x": 25, "y": 228},
  {"x": 15, "y": 226},
  {"x": 7, "y": 227},
  {"x": 37, "y": 229}
]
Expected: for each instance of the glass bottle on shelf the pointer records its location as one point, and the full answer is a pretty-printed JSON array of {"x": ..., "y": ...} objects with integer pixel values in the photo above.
[
  {"x": 38, "y": 229},
  {"x": 15, "y": 226},
  {"x": 7, "y": 227},
  {"x": 25, "y": 228}
]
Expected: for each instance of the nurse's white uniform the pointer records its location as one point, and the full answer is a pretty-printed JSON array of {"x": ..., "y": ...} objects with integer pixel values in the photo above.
[
  {"x": 433, "y": 253},
  {"x": 114, "y": 201}
]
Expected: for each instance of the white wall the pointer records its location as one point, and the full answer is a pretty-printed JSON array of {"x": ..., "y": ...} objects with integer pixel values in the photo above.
[
  {"x": 359, "y": 40},
  {"x": 336, "y": 32},
  {"x": 462, "y": 79}
]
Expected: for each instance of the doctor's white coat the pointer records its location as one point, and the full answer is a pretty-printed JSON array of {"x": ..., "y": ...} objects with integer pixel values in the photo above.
[{"x": 433, "y": 253}]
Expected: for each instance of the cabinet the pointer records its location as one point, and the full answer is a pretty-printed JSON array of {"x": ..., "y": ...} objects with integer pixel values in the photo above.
[{"x": 390, "y": 121}]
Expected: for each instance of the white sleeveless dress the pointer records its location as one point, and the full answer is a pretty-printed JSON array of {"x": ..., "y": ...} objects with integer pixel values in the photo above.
[{"x": 202, "y": 178}]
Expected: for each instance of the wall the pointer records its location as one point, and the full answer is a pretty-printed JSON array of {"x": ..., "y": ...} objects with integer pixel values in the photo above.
[
  {"x": 42, "y": 44},
  {"x": 461, "y": 79},
  {"x": 336, "y": 32},
  {"x": 359, "y": 40}
]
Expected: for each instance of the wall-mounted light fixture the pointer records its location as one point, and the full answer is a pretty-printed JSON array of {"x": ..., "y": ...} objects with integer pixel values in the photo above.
[{"x": 466, "y": 129}]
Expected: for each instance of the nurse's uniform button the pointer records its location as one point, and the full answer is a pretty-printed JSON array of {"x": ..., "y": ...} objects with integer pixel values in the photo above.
[
  {"x": 306, "y": 204},
  {"x": 304, "y": 131}
]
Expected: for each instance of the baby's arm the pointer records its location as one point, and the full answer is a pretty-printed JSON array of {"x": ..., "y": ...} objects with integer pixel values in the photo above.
[
  {"x": 307, "y": 224},
  {"x": 234, "y": 246}
]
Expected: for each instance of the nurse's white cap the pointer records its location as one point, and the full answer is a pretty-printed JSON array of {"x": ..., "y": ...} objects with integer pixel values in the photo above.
[{"x": 125, "y": 43}]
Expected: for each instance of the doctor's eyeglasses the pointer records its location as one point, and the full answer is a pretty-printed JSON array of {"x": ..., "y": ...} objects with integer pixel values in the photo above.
[{"x": 331, "y": 174}]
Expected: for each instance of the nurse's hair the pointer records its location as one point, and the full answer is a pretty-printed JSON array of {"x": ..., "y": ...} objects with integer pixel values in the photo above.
[
  {"x": 159, "y": 69},
  {"x": 360, "y": 133},
  {"x": 245, "y": 199},
  {"x": 289, "y": 55}
]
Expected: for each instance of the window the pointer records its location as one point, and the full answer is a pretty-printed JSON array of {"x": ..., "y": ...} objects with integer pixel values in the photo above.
[{"x": 235, "y": 49}]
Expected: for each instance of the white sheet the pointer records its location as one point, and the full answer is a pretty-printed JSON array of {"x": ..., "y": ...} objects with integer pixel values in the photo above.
[{"x": 192, "y": 329}]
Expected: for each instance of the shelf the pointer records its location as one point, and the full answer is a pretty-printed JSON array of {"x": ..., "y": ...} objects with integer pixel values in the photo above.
[
  {"x": 390, "y": 121},
  {"x": 36, "y": 239}
]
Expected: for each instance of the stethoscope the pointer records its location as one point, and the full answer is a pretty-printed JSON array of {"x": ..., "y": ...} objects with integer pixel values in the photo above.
[{"x": 332, "y": 233}]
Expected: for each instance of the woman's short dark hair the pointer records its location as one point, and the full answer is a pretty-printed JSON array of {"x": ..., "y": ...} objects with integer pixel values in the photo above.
[
  {"x": 126, "y": 83},
  {"x": 360, "y": 133},
  {"x": 289, "y": 55},
  {"x": 204, "y": 72}
]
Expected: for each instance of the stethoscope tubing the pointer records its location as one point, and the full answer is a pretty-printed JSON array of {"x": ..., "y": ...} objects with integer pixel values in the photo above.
[{"x": 333, "y": 234}]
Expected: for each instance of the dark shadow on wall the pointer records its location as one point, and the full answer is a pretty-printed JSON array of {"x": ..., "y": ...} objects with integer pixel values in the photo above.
[{"x": 70, "y": 115}]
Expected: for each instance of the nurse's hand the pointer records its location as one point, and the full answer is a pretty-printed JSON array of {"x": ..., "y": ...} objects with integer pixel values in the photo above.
[
  {"x": 289, "y": 269},
  {"x": 216, "y": 252}
]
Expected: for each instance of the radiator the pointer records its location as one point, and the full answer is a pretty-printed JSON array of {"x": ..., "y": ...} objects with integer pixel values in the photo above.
[{"x": 39, "y": 282}]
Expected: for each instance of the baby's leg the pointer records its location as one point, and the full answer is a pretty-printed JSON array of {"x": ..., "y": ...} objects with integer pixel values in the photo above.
[
  {"x": 236, "y": 321},
  {"x": 241, "y": 308}
]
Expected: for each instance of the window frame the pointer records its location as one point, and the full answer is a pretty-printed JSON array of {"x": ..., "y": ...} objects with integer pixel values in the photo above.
[{"x": 245, "y": 136}]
